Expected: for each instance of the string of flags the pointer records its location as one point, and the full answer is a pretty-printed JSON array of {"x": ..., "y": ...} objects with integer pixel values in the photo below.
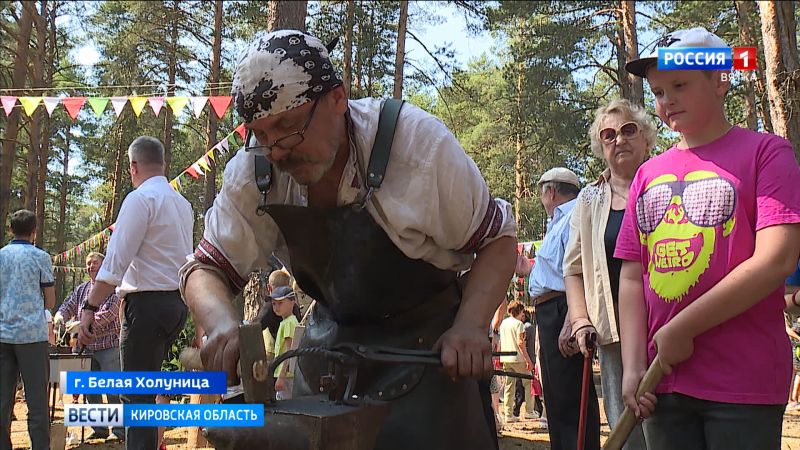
[
  {"x": 73, "y": 105},
  {"x": 201, "y": 166},
  {"x": 65, "y": 269}
]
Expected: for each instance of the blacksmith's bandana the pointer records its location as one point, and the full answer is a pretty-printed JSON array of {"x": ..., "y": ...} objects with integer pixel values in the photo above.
[{"x": 281, "y": 71}]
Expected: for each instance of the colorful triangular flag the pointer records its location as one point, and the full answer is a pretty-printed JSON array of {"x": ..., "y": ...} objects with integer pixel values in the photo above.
[
  {"x": 220, "y": 104},
  {"x": 203, "y": 164},
  {"x": 98, "y": 105},
  {"x": 192, "y": 173},
  {"x": 156, "y": 103},
  {"x": 29, "y": 104},
  {"x": 8, "y": 104},
  {"x": 73, "y": 105},
  {"x": 137, "y": 104},
  {"x": 198, "y": 103},
  {"x": 50, "y": 104},
  {"x": 240, "y": 129},
  {"x": 177, "y": 104},
  {"x": 119, "y": 104}
]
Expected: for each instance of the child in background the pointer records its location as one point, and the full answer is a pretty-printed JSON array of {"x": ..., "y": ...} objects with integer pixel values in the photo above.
[
  {"x": 711, "y": 231},
  {"x": 283, "y": 301}
]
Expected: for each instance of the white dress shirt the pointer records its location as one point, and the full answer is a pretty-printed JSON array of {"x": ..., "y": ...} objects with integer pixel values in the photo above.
[
  {"x": 433, "y": 204},
  {"x": 151, "y": 238}
]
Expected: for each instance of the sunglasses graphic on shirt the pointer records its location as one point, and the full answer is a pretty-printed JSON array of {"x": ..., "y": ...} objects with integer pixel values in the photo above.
[{"x": 706, "y": 203}]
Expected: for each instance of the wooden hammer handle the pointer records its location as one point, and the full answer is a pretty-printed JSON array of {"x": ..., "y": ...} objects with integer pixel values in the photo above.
[{"x": 628, "y": 420}]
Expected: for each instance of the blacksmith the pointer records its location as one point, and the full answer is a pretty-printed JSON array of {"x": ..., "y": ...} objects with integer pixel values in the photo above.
[{"x": 376, "y": 235}]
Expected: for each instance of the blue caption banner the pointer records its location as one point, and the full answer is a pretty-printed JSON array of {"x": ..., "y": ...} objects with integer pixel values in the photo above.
[
  {"x": 695, "y": 58},
  {"x": 225, "y": 415},
  {"x": 143, "y": 382},
  {"x": 171, "y": 415}
]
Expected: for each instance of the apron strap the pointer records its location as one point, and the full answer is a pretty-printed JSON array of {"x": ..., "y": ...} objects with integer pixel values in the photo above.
[
  {"x": 379, "y": 157},
  {"x": 263, "y": 175}
]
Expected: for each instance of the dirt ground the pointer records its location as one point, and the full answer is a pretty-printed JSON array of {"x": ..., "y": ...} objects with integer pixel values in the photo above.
[{"x": 518, "y": 436}]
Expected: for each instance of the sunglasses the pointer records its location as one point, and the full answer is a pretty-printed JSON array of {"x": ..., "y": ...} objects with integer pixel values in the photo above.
[
  {"x": 706, "y": 203},
  {"x": 628, "y": 130}
]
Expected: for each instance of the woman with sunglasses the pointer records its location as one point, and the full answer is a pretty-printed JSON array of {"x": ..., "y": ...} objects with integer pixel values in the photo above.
[{"x": 623, "y": 136}]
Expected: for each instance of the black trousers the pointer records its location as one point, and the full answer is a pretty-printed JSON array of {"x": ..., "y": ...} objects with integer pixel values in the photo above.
[
  {"x": 561, "y": 383},
  {"x": 32, "y": 361},
  {"x": 151, "y": 323}
]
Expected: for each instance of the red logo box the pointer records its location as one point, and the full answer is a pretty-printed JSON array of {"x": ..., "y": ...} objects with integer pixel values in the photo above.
[{"x": 744, "y": 58}]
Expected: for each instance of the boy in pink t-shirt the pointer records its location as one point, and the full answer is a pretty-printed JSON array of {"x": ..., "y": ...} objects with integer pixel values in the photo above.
[{"x": 711, "y": 231}]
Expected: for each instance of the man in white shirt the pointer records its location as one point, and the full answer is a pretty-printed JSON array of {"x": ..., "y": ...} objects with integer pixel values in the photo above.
[
  {"x": 512, "y": 339},
  {"x": 376, "y": 234},
  {"x": 152, "y": 236}
]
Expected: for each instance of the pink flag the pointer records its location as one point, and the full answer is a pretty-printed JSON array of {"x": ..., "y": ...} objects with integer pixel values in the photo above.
[
  {"x": 8, "y": 104},
  {"x": 156, "y": 103}
]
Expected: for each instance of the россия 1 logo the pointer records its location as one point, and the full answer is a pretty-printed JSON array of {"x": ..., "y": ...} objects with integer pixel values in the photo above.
[{"x": 724, "y": 58}]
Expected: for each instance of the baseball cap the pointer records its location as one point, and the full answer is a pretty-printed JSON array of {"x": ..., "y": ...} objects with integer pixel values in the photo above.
[
  {"x": 283, "y": 293},
  {"x": 693, "y": 37},
  {"x": 561, "y": 175}
]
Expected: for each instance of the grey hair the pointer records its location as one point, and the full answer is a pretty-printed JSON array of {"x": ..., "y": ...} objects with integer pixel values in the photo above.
[
  {"x": 564, "y": 189},
  {"x": 625, "y": 108},
  {"x": 146, "y": 150}
]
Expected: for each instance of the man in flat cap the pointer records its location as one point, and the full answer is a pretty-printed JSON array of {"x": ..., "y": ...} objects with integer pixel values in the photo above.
[
  {"x": 562, "y": 368},
  {"x": 355, "y": 212}
]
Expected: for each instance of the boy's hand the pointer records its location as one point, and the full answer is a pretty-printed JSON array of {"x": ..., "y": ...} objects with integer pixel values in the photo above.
[
  {"x": 674, "y": 346},
  {"x": 642, "y": 407}
]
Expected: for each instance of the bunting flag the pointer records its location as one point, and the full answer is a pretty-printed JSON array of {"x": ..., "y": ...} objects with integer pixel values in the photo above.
[
  {"x": 29, "y": 104},
  {"x": 137, "y": 104},
  {"x": 119, "y": 104},
  {"x": 220, "y": 104},
  {"x": 241, "y": 130},
  {"x": 50, "y": 104},
  {"x": 156, "y": 103},
  {"x": 98, "y": 105},
  {"x": 201, "y": 165},
  {"x": 8, "y": 104},
  {"x": 177, "y": 104},
  {"x": 73, "y": 105},
  {"x": 198, "y": 103}
]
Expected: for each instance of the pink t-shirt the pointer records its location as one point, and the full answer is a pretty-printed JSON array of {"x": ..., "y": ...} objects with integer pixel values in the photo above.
[{"x": 692, "y": 217}]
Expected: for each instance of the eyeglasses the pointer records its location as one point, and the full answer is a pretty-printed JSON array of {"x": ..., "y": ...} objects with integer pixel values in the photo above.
[
  {"x": 706, "y": 203},
  {"x": 287, "y": 142},
  {"x": 628, "y": 130}
]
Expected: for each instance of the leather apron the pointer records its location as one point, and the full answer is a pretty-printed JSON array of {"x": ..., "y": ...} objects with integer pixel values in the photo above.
[{"x": 369, "y": 292}]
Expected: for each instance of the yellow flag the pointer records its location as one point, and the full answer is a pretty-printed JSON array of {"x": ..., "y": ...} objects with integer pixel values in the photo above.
[
  {"x": 29, "y": 104},
  {"x": 177, "y": 104},
  {"x": 137, "y": 103}
]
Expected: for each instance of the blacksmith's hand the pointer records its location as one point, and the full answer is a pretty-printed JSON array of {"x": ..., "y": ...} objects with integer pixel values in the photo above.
[
  {"x": 673, "y": 345},
  {"x": 221, "y": 350},
  {"x": 85, "y": 334},
  {"x": 584, "y": 336},
  {"x": 566, "y": 344},
  {"x": 465, "y": 351}
]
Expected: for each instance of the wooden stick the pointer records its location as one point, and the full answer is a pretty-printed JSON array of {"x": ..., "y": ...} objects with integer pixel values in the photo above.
[{"x": 627, "y": 421}]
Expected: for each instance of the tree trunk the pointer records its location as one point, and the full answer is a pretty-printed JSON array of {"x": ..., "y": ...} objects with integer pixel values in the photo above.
[
  {"x": 348, "y": 45},
  {"x": 399, "y": 59},
  {"x": 622, "y": 75},
  {"x": 35, "y": 129},
  {"x": 748, "y": 39},
  {"x": 285, "y": 15},
  {"x": 61, "y": 235},
  {"x": 519, "y": 186},
  {"x": 172, "y": 63},
  {"x": 47, "y": 35},
  {"x": 631, "y": 46},
  {"x": 9, "y": 149},
  {"x": 213, "y": 122},
  {"x": 116, "y": 198},
  {"x": 779, "y": 29}
]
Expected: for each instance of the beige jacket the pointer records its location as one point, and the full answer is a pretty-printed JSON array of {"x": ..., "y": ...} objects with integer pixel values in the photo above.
[{"x": 586, "y": 255}]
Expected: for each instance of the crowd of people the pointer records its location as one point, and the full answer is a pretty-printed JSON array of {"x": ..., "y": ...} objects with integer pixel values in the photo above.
[{"x": 388, "y": 224}]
